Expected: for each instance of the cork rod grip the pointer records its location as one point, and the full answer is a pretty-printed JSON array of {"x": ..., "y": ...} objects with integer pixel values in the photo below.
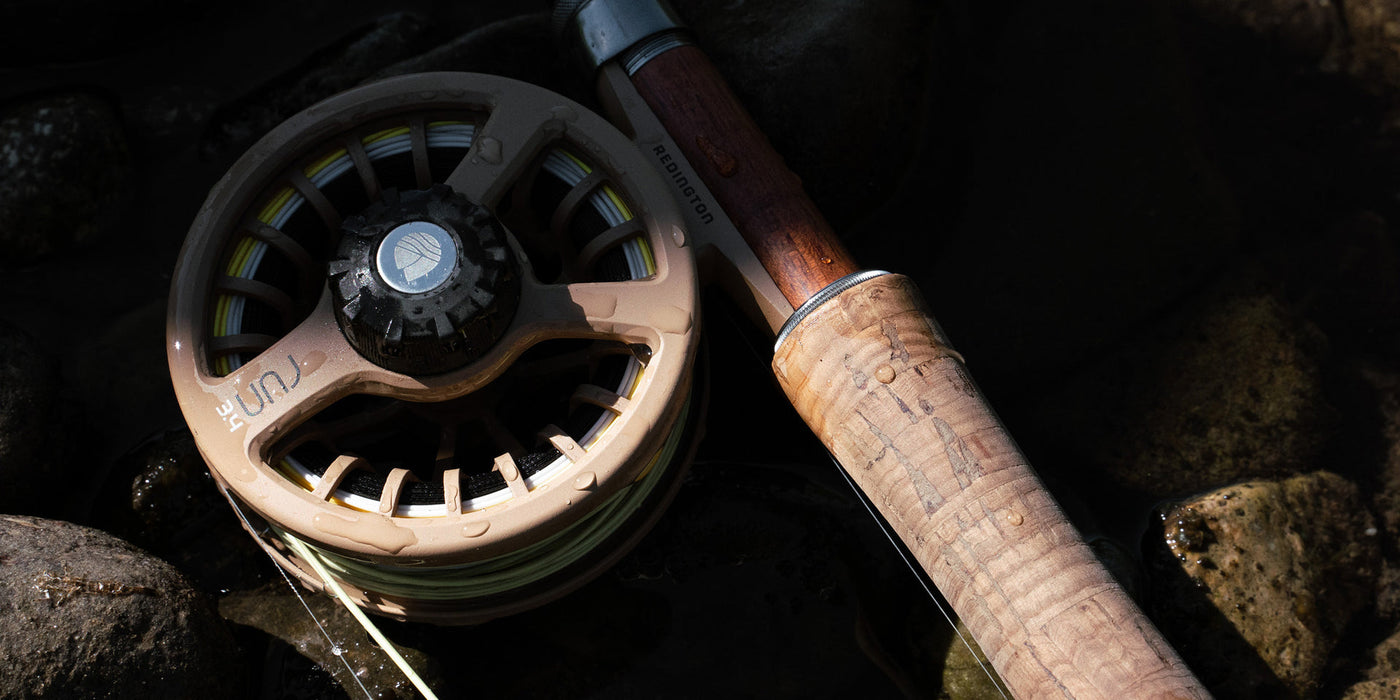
[
  {"x": 755, "y": 188},
  {"x": 872, "y": 375}
]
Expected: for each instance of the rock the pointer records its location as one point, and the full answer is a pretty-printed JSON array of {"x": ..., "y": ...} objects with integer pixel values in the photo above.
[
  {"x": 275, "y": 611},
  {"x": 64, "y": 175},
  {"x": 162, "y": 497},
  {"x": 1387, "y": 689},
  {"x": 86, "y": 615},
  {"x": 329, "y": 71},
  {"x": 1305, "y": 27},
  {"x": 1232, "y": 390},
  {"x": 839, "y": 87},
  {"x": 1254, "y": 583},
  {"x": 966, "y": 670},
  {"x": 1385, "y": 659},
  {"x": 1374, "y": 28},
  {"x": 1385, "y": 382},
  {"x": 520, "y": 47},
  {"x": 31, "y": 449}
]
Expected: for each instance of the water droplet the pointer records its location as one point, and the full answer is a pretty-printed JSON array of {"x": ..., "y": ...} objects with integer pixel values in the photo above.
[
  {"x": 884, "y": 374},
  {"x": 337, "y": 650},
  {"x": 489, "y": 150}
]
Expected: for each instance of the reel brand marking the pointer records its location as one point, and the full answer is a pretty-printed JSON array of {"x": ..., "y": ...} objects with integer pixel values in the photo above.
[
  {"x": 264, "y": 397},
  {"x": 682, "y": 183}
]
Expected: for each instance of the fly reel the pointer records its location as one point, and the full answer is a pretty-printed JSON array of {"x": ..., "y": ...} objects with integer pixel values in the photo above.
[{"x": 441, "y": 331}]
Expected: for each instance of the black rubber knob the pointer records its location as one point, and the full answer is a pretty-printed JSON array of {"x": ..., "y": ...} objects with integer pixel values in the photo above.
[{"x": 424, "y": 281}]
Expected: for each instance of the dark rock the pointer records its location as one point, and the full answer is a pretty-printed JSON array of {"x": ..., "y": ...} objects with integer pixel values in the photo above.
[
  {"x": 162, "y": 497},
  {"x": 1374, "y": 28},
  {"x": 31, "y": 445},
  {"x": 1385, "y": 659},
  {"x": 1228, "y": 391},
  {"x": 1305, "y": 27},
  {"x": 64, "y": 175},
  {"x": 1387, "y": 689},
  {"x": 277, "y": 612},
  {"x": 1255, "y": 583},
  {"x": 966, "y": 674},
  {"x": 329, "y": 71},
  {"x": 86, "y": 615},
  {"x": 519, "y": 47},
  {"x": 1385, "y": 382}
]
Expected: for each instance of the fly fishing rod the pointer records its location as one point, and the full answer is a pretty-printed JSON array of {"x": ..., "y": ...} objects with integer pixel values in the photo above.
[{"x": 873, "y": 375}]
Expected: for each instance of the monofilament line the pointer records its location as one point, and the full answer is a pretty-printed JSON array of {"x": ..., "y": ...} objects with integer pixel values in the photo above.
[
  {"x": 885, "y": 528},
  {"x": 297, "y": 592}
]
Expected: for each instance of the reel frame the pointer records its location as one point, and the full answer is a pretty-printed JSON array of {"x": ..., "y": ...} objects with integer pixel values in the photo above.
[{"x": 313, "y": 365}]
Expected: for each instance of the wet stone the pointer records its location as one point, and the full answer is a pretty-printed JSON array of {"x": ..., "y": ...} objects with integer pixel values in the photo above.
[
  {"x": 86, "y": 615},
  {"x": 162, "y": 497},
  {"x": 1384, "y": 382},
  {"x": 1230, "y": 390},
  {"x": 1254, "y": 583},
  {"x": 1384, "y": 661},
  {"x": 277, "y": 613},
  {"x": 966, "y": 674},
  {"x": 1387, "y": 689},
  {"x": 64, "y": 175}
]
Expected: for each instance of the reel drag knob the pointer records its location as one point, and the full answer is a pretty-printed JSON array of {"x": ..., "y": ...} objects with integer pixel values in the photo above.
[{"x": 424, "y": 281}]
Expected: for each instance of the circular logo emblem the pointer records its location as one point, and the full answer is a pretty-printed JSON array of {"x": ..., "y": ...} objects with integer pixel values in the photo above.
[{"x": 416, "y": 257}]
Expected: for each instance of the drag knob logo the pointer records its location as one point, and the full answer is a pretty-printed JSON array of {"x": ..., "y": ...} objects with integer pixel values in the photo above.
[
  {"x": 416, "y": 254},
  {"x": 417, "y": 257}
]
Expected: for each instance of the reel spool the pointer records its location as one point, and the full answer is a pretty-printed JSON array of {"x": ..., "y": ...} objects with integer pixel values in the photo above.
[{"x": 440, "y": 329}]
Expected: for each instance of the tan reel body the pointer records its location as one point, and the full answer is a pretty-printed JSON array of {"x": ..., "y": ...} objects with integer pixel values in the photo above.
[{"x": 441, "y": 329}]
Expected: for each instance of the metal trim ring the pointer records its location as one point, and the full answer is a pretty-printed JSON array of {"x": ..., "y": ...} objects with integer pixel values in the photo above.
[
  {"x": 826, "y": 294},
  {"x": 601, "y": 30}
]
